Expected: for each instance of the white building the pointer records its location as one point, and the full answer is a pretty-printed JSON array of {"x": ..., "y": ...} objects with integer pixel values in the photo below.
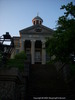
[{"x": 32, "y": 40}]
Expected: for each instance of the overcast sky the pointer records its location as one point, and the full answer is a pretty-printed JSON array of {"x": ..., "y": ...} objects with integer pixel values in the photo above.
[{"x": 18, "y": 14}]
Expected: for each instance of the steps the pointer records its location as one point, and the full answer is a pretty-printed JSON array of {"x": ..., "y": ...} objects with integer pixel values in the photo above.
[{"x": 44, "y": 82}]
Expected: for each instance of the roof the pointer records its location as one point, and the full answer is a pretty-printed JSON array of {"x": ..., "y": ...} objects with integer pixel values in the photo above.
[
  {"x": 37, "y": 18},
  {"x": 28, "y": 29}
]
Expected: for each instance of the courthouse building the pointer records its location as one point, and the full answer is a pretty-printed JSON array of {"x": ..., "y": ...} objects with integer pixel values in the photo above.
[{"x": 32, "y": 40}]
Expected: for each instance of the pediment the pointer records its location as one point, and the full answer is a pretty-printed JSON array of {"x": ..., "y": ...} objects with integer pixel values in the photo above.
[{"x": 39, "y": 29}]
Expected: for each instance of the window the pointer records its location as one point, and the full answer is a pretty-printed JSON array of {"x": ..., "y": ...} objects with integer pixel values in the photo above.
[
  {"x": 34, "y": 22},
  {"x": 37, "y": 21},
  {"x": 37, "y": 56}
]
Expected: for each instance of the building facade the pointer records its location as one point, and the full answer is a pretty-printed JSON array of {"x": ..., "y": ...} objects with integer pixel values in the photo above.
[{"x": 32, "y": 40}]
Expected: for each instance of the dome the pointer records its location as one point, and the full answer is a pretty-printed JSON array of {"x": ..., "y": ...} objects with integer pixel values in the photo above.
[{"x": 37, "y": 20}]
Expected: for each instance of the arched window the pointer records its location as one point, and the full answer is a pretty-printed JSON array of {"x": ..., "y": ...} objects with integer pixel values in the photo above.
[
  {"x": 38, "y": 44},
  {"x": 34, "y": 22},
  {"x": 37, "y": 21}
]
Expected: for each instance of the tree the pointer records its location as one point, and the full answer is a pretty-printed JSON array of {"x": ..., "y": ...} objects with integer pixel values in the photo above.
[
  {"x": 20, "y": 55},
  {"x": 18, "y": 61},
  {"x": 62, "y": 44}
]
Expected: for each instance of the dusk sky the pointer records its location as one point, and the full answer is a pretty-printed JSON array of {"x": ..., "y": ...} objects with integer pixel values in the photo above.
[{"x": 18, "y": 14}]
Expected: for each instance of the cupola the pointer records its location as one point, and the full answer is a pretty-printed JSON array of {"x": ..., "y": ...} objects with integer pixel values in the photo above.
[{"x": 37, "y": 20}]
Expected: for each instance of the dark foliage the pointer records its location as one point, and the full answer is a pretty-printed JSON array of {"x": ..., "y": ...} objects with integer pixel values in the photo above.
[{"x": 62, "y": 44}]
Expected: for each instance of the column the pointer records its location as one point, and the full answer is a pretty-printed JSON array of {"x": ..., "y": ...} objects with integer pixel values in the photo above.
[
  {"x": 22, "y": 45},
  {"x": 32, "y": 51},
  {"x": 43, "y": 53}
]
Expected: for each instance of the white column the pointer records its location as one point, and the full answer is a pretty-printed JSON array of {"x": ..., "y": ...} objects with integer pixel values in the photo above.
[
  {"x": 32, "y": 51},
  {"x": 22, "y": 45},
  {"x": 43, "y": 53}
]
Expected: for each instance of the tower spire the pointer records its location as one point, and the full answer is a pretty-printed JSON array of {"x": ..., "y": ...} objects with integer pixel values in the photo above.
[{"x": 37, "y": 13}]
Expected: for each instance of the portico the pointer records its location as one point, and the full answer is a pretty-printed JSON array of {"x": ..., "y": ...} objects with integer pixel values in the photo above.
[{"x": 35, "y": 50}]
